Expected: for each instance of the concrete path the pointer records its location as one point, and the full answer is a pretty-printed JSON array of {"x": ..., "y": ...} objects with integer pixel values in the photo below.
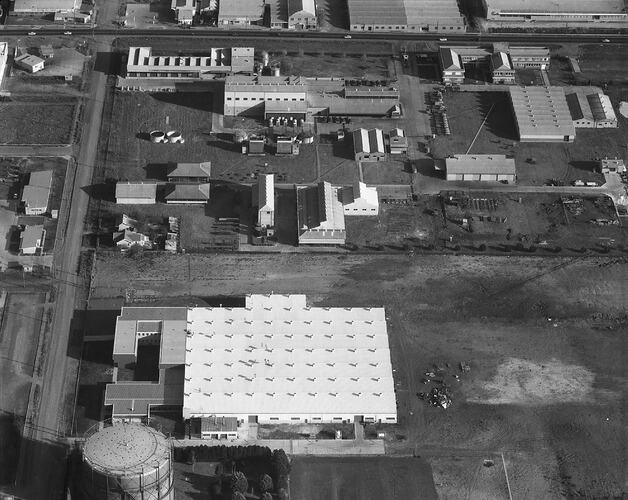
[{"x": 320, "y": 447}]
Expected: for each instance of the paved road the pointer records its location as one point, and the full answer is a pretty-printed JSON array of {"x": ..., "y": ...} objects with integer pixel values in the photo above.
[{"x": 39, "y": 478}]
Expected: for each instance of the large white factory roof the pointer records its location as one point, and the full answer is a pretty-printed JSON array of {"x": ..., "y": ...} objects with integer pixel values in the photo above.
[
  {"x": 541, "y": 111},
  {"x": 277, "y": 356},
  {"x": 46, "y": 5},
  {"x": 556, "y": 6}
]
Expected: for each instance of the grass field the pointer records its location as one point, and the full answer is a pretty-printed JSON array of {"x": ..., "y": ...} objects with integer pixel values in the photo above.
[
  {"x": 543, "y": 336},
  {"x": 22, "y": 317},
  {"x": 37, "y": 123},
  {"x": 562, "y": 161},
  {"x": 360, "y": 478}
]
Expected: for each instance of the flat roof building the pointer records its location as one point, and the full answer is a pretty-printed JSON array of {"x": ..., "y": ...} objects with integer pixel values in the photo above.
[
  {"x": 276, "y": 359},
  {"x": 247, "y": 95},
  {"x": 241, "y": 12},
  {"x": 320, "y": 215},
  {"x": 45, "y": 6},
  {"x": 542, "y": 114},
  {"x": 405, "y": 15},
  {"x": 141, "y": 63},
  {"x": 30, "y": 63},
  {"x": 36, "y": 193},
  {"x": 492, "y": 168},
  {"x": 576, "y": 13}
]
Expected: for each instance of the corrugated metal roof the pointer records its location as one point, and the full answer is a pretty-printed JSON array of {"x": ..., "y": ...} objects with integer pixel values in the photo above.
[
  {"x": 480, "y": 164},
  {"x": 557, "y": 6},
  {"x": 368, "y": 141}
]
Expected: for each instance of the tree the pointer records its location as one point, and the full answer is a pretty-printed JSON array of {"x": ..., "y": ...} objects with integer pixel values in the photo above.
[
  {"x": 236, "y": 495},
  {"x": 281, "y": 464},
  {"x": 283, "y": 494},
  {"x": 239, "y": 482},
  {"x": 265, "y": 483},
  {"x": 266, "y": 496}
]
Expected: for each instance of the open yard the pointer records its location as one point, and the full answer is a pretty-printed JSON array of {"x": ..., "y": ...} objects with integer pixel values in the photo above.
[
  {"x": 361, "y": 478},
  {"x": 543, "y": 336},
  {"x": 536, "y": 162},
  {"x": 41, "y": 123}
]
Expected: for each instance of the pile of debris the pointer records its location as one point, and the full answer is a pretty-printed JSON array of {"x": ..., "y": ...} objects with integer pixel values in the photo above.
[
  {"x": 441, "y": 395},
  {"x": 575, "y": 206}
]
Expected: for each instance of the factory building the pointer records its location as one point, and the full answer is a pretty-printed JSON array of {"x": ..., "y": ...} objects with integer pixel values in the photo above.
[
  {"x": 142, "y": 64},
  {"x": 274, "y": 360},
  {"x": 562, "y": 13},
  {"x": 38, "y": 7},
  {"x": 136, "y": 193},
  {"x": 368, "y": 145},
  {"x": 247, "y": 95},
  {"x": 397, "y": 141},
  {"x": 301, "y": 14},
  {"x": 491, "y": 168},
  {"x": 264, "y": 200},
  {"x": 530, "y": 57},
  {"x": 442, "y": 16},
  {"x": 542, "y": 114},
  {"x": 590, "y": 108},
  {"x": 320, "y": 215},
  {"x": 126, "y": 460},
  {"x": 36, "y": 193},
  {"x": 241, "y": 12},
  {"x": 359, "y": 199}
]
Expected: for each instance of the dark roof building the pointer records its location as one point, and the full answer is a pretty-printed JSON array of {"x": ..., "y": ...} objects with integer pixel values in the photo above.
[
  {"x": 188, "y": 194},
  {"x": 189, "y": 172}
]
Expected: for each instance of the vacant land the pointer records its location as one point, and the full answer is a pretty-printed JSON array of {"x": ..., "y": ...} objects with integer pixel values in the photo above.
[
  {"x": 603, "y": 62},
  {"x": 360, "y": 478},
  {"x": 42, "y": 123},
  {"x": 536, "y": 162},
  {"x": 22, "y": 316},
  {"x": 543, "y": 335},
  {"x": 340, "y": 64}
]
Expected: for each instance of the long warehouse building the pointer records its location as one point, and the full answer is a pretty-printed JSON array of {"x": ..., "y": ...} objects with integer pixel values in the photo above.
[
  {"x": 442, "y": 16},
  {"x": 274, "y": 360}
]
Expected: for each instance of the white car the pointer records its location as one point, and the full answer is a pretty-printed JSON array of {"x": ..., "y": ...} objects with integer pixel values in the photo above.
[
  {"x": 67, "y": 32},
  {"x": 31, "y": 33},
  {"x": 442, "y": 39},
  {"x": 347, "y": 36},
  {"x": 605, "y": 40}
]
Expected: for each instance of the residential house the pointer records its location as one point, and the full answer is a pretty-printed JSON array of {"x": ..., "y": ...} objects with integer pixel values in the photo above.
[
  {"x": 129, "y": 238},
  {"x": 32, "y": 240},
  {"x": 188, "y": 194},
  {"x": 189, "y": 172},
  {"x": 36, "y": 193}
]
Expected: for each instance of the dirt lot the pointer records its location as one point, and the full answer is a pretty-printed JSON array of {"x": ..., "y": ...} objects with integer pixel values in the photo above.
[
  {"x": 360, "y": 478},
  {"x": 338, "y": 64},
  {"x": 22, "y": 315},
  {"x": 558, "y": 317},
  {"x": 536, "y": 162},
  {"x": 42, "y": 123}
]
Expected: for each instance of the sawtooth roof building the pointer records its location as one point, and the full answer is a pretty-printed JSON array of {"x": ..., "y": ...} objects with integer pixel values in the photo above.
[
  {"x": 275, "y": 360},
  {"x": 570, "y": 13},
  {"x": 542, "y": 114},
  {"x": 405, "y": 15}
]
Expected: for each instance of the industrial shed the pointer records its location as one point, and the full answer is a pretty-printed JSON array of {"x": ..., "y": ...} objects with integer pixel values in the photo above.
[
  {"x": 368, "y": 145},
  {"x": 136, "y": 193},
  {"x": 264, "y": 200},
  {"x": 491, "y": 168},
  {"x": 35, "y": 7},
  {"x": 320, "y": 215},
  {"x": 542, "y": 114},
  {"x": 274, "y": 360},
  {"x": 590, "y": 108},
  {"x": 190, "y": 172}
]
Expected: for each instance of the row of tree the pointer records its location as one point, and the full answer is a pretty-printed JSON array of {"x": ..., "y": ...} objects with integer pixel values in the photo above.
[{"x": 210, "y": 453}]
